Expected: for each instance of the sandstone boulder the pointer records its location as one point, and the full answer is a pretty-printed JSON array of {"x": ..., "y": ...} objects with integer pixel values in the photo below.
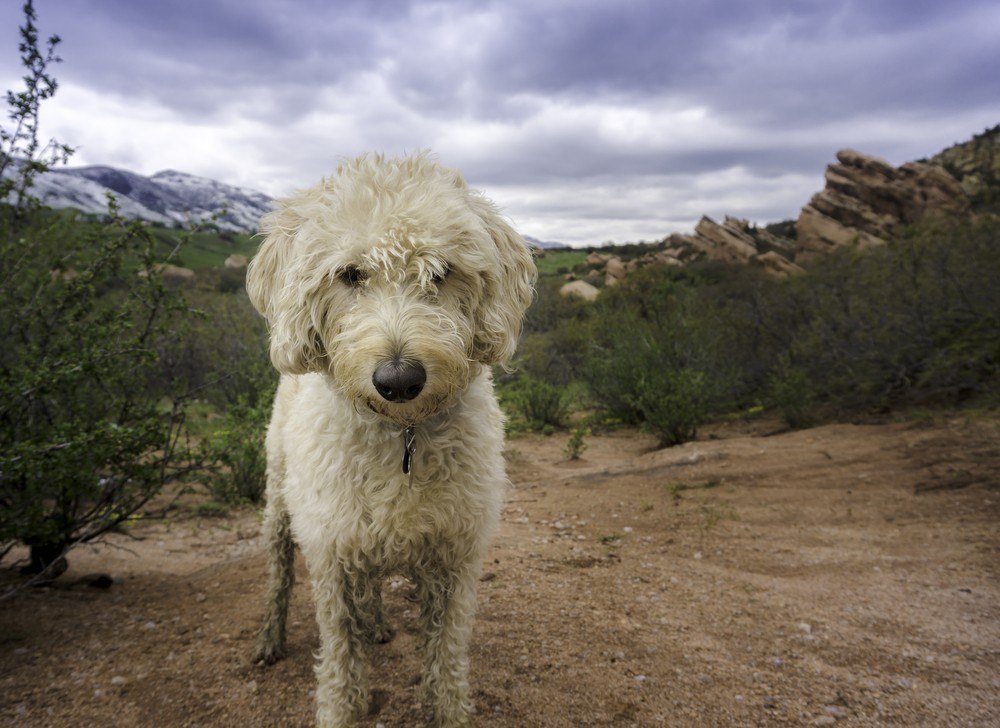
[
  {"x": 173, "y": 275},
  {"x": 236, "y": 262},
  {"x": 727, "y": 242},
  {"x": 614, "y": 272},
  {"x": 580, "y": 289},
  {"x": 777, "y": 265}
]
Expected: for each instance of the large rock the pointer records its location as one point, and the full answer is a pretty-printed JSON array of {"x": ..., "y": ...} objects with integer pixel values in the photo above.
[
  {"x": 728, "y": 242},
  {"x": 614, "y": 272},
  {"x": 866, "y": 201},
  {"x": 236, "y": 262},
  {"x": 777, "y": 265},
  {"x": 173, "y": 275},
  {"x": 579, "y": 289}
]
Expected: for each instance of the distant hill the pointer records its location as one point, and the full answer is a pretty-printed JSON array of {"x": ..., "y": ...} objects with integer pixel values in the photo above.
[{"x": 168, "y": 197}]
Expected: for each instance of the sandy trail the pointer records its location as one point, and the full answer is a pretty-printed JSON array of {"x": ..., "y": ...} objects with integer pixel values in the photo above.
[{"x": 837, "y": 575}]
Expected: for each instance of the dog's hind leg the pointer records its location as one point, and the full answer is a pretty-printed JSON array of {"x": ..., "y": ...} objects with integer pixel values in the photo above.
[
  {"x": 270, "y": 645},
  {"x": 368, "y": 603}
]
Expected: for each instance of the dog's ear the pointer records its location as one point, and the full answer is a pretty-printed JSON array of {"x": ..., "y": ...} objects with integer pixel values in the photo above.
[
  {"x": 507, "y": 290},
  {"x": 276, "y": 289}
]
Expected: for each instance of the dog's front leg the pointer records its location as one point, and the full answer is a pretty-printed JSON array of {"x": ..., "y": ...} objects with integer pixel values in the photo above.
[
  {"x": 447, "y": 604},
  {"x": 341, "y": 692},
  {"x": 270, "y": 645}
]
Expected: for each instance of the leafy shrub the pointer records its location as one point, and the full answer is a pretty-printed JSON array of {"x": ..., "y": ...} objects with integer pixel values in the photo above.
[
  {"x": 237, "y": 451},
  {"x": 913, "y": 321},
  {"x": 673, "y": 402},
  {"x": 792, "y": 392},
  {"x": 221, "y": 353},
  {"x": 84, "y": 440},
  {"x": 539, "y": 403},
  {"x": 655, "y": 357},
  {"x": 575, "y": 444}
]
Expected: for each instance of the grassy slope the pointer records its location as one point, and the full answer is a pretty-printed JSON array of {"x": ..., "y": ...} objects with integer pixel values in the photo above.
[
  {"x": 555, "y": 261},
  {"x": 207, "y": 249}
]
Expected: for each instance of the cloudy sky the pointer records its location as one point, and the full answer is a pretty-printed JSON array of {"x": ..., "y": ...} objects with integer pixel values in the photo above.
[{"x": 586, "y": 120}]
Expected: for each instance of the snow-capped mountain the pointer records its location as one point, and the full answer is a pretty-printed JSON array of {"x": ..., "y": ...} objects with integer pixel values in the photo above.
[
  {"x": 169, "y": 197},
  {"x": 545, "y": 244}
]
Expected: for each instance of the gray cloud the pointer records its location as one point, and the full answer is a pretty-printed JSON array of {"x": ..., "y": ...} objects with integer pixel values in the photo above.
[{"x": 602, "y": 119}]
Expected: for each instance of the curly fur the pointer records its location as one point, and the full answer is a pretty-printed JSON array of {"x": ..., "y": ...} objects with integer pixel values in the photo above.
[{"x": 389, "y": 259}]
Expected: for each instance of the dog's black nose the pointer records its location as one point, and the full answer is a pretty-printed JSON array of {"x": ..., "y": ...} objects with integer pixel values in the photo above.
[{"x": 399, "y": 381}]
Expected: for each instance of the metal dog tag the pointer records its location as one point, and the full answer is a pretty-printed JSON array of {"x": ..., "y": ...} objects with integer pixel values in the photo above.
[{"x": 409, "y": 447}]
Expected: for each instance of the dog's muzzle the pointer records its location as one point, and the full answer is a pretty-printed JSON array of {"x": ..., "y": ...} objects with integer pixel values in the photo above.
[{"x": 399, "y": 381}]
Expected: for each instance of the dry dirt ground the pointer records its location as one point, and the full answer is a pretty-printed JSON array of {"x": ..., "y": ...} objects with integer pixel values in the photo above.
[{"x": 841, "y": 575}]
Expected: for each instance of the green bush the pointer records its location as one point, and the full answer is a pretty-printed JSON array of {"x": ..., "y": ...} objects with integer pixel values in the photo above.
[
  {"x": 673, "y": 403},
  {"x": 791, "y": 390},
  {"x": 221, "y": 353},
  {"x": 912, "y": 321},
  {"x": 575, "y": 444},
  {"x": 539, "y": 403},
  {"x": 236, "y": 450},
  {"x": 85, "y": 440},
  {"x": 656, "y": 356}
]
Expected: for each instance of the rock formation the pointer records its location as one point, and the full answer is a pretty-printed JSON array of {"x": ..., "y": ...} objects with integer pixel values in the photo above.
[
  {"x": 733, "y": 241},
  {"x": 866, "y": 201}
]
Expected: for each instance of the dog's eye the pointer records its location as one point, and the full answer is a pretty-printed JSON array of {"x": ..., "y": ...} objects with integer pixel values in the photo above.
[
  {"x": 352, "y": 276},
  {"x": 438, "y": 278}
]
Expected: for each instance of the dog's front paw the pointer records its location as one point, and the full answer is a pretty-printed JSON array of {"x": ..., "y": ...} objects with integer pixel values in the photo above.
[
  {"x": 266, "y": 652},
  {"x": 379, "y": 634}
]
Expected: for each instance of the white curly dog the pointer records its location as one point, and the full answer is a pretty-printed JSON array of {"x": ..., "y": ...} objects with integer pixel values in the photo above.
[{"x": 389, "y": 289}]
